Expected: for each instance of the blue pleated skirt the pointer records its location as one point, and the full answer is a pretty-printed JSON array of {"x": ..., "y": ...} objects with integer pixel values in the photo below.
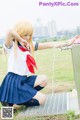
[{"x": 17, "y": 89}]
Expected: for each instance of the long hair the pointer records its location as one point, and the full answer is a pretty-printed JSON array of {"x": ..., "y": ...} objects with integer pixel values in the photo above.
[{"x": 23, "y": 28}]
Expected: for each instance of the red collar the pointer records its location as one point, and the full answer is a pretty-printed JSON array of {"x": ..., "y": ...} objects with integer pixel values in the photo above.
[
  {"x": 23, "y": 49},
  {"x": 30, "y": 61}
]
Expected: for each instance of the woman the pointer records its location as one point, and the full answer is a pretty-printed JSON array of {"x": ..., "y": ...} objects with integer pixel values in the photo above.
[{"x": 21, "y": 86}]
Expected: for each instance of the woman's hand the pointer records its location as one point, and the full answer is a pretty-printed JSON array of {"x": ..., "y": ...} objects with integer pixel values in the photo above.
[
  {"x": 77, "y": 37},
  {"x": 25, "y": 44},
  {"x": 73, "y": 40},
  {"x": 68, "y": 42}
]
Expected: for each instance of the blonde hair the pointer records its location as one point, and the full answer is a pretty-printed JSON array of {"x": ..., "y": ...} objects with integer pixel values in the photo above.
[{"x": 24, "y": 28}]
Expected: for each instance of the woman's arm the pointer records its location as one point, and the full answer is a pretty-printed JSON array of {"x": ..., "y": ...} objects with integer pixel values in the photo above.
[
  {"x": 12, "y": 35},
  {"x": 67, "y": 42},
  {"x": 47, "y": 45}
]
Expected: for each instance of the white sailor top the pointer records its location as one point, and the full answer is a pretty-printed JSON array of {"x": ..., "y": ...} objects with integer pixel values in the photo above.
[{"x": 18, "y": 64}]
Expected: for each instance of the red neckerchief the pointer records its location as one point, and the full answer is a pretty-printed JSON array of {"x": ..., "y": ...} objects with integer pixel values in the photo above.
[{"x": 30, "y": 61}]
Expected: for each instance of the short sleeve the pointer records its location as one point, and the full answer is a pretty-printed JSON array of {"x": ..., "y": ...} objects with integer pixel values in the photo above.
[
  {"x": 35, "y": 45},
  {"x": 8, "y": 49}
]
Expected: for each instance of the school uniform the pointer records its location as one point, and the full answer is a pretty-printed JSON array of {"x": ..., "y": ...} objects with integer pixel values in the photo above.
[{"x": 18, "y": 85}]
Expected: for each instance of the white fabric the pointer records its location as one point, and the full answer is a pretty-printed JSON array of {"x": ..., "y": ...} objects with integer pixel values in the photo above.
[{"x": 17, "y": 64}]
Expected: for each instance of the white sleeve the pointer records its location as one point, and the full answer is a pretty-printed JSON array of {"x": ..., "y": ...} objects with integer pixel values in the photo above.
[
  {"x": 8, "y": 49},
  {"x": 35, "y": 45}
]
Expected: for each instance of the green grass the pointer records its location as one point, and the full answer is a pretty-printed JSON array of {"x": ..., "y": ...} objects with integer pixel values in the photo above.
[
  {"x": 55, "y": 64},
  {"x": 3, "y": 66}
]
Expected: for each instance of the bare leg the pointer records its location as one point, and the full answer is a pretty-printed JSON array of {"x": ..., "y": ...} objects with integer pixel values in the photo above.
[
  {"x": 39, "y": 98},
  {"x": 41, "y": 80}
]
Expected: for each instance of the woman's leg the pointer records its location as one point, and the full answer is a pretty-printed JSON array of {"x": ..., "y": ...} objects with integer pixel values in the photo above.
[
  {"x": 37, "y": 100},
  {"x": 41, "y": 81},
  {"x": 40, "y": 97}
]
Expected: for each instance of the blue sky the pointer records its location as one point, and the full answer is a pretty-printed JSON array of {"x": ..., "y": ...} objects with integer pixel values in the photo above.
[{"x": 12, "y": 11}]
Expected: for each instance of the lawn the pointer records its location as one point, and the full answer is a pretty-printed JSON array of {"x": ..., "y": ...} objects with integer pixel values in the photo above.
[{"x": 56, "y": 64}]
